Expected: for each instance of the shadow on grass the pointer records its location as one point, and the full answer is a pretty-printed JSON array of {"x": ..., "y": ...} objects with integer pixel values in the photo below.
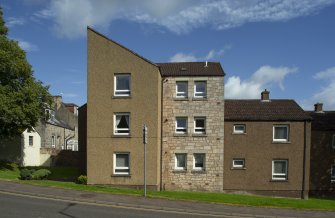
[{"x": 5, "y": 165}]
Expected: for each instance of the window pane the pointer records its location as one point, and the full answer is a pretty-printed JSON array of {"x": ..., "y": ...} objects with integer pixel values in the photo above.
[
  {"x": 181, "y": 160},
  {"x": 200, "y": 87},
  {"x": 123, "y": 121},
  {"x": 280, "y": 132},
  {"x": 31, "y": 142},
  {"x": 239, "y": 128},
  {"x": 200, "y": 123},
  {"x": 122, "y": 82},
  {"x": 122, "y": 160},
  {"x": 181, "y": 124},
  {"x": 238, "y": 163},
  {"x": 280, "y": 167},
  {"x": 181, "y": 89},
  {"x": 199, "y": 160}
]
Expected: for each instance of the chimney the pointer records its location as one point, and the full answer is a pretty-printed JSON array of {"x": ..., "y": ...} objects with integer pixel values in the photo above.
[
  {"x": 265, "y": 96},
  {"x": 318, "y": 108},
  {"x": 206, "y": 64}
]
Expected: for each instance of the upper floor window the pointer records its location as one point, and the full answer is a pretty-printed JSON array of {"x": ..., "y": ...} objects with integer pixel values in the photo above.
[
  {"x": 238, "y": 163},
  {"x": 198, "y": 161},
  {"x": 122, "y": 85},
  {"x": 121, "y": 163},
  {"x": 121, "y": 124},
  {"x": 200, "y": 125},
  {"x": 31, "y": 140},
  {"x": 281, "y": 133},
  {"x": 180, "y": 162},
  {"x": 239, "y": 128},
  {"x": 181, "y": 89},
  {"x": 279, "y": 169},
  {"x": 53, "y": 141},
  {"x": 181, "y": 125},
  {"x": 200, "y": 89},
  {"x": 332, "y": 173}
]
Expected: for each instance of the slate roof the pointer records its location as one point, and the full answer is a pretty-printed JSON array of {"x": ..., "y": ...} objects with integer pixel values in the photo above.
[
  {"x": 191, "y": 69},
  {"x": 257, "y": 110},
  {"x": 324, "y": 121}
]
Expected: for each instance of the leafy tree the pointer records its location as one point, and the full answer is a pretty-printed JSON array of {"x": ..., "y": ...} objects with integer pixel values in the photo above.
[{"x": 22, "y": 97}]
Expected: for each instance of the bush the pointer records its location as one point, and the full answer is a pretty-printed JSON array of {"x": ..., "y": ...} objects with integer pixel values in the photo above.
[
  {"x": 82, "y": 179},
  {"x": 40, "y": 174},
  {"x": 26, "y": 174}
]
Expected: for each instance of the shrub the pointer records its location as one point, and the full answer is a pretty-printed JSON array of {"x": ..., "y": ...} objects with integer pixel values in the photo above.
[
  {"x": 40, "y": 174},
  {"x": 26, "y": 174},
  {"x": 82, "y": 179}
]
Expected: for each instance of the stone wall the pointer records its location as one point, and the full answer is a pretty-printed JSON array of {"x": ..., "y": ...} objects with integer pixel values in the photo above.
[{"x": 211, "y": 144}]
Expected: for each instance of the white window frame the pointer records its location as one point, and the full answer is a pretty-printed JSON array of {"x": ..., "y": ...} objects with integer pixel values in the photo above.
[
  {"x": 31, "y": 140},
  {"x": 179, "y": 130},
  {"x": 203, "y": 163},
  {"x": 333, "y": 142},
  {"x": 332, "y": 178},
  {"x": 236, "y": 131},
  {"x": 53, "y": 141},
  {"x": 200, "y": 94},
  {"x": 282, "y": 176},
  {"x": 115, "y": 168},
  {"x": 287, "y": 133},
  {"x": 200, "y": 130},
  {"x": 180, "y": 94},
  {"x": 176, "y": 161},
  {"x": 122, "y": 92},
  {"x": 116, "y": 129},
  {"x": 235, "y": 165}
]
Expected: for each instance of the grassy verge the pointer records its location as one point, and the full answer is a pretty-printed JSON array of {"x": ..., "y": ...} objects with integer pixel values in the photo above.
[{"x": 11, "y": 172}]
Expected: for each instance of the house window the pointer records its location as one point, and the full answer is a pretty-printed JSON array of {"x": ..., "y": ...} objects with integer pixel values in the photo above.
[
  {"x": 332, "y": 173},
  {"x": 279, "y": 169},
  {"x": 181, "y": 125},
  {"x": 180, "y": 162},
  {"x": 200, "y": 125},
  {"x": 198, "y": 161},
  {"x": 121, "y": 164},
  {"x": 238, "y": 163},
  {"x": 280, "y": 133},
  {"x": 239, "y": 128},
  {"x": 31, "y": 140},
  {"x": 181, "y": 89},
  {"x": 53, "y": 141},
  {"x": 333, "y": 143},
  {"x": 200, "y": 89},
  {"x": 122, "y": 85},
  {"x": 121, "y": 124}
]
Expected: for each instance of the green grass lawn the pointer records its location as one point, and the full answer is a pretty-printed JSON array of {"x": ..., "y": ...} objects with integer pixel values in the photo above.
[{"x": 62, "y": 176}]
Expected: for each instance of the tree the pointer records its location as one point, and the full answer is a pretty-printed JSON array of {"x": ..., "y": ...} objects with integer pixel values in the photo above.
[{"x": 22, "y": 97}]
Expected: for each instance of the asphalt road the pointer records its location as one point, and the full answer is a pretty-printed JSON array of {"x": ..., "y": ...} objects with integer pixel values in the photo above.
[{"x": 18, "y": 206}]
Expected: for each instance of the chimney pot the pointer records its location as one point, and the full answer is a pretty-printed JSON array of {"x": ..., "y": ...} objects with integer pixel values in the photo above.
[
  {"x": 265, "y": 95},
  {"x": 318, "y": 108}
]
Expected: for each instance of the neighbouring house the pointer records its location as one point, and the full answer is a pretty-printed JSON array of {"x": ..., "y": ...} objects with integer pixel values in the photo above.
[
  {"x": 266, "y": 147},
  {"x": 322, "y": 170}
]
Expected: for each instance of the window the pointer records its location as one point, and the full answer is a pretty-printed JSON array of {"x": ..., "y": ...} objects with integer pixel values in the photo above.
[
  {"x": 31, "y": 140},
  {"x": 181, "y": 89},
  {"x": 200, "y": 125},
  {"x": 181, "y": 125},
  {"x": 53, "y": 141},
  {"x": 180, "y": 160},
  {"x": 279, "y": 169},
  {"x": 332, "y": 173},
  {"x": 121, "y": 163},
  {"x": 333, "y": 143},
  {"x": 198, "y": 161},
  {"x": 200, "y": 89},
  {"x": 239, "y": 128},
  {"x": 121, "y": 124},
  {"x": 238, "y": 163},
  {"x": 122, "y": 85},
  {"x": 280, "y": 133}
]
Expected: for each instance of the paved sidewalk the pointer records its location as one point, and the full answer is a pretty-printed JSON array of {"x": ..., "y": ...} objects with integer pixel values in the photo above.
[{"x": 132, "y": 202}]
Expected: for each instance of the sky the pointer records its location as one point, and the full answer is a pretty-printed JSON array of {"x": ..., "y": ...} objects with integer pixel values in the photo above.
[{"x": 284, "y": 46}]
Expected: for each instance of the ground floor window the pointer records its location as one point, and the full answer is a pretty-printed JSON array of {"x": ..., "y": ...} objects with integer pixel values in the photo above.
[
  {"x": 180, "y": 161},
  {"x": 198, "y": 161},
  {"x": 279, "y": 169},
  {"x": 121, "y": 164}
]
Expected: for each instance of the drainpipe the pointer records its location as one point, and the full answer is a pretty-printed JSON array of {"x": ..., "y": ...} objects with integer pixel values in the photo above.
[
  {"x": 161, "y": 155},
  {"x": 303, "y": 195}
]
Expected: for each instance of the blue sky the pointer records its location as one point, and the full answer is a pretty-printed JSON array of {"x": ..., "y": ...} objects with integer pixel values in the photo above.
[{"x": 285, "y": 46}]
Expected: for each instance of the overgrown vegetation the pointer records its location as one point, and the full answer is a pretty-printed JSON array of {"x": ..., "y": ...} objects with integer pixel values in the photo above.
[
  {"x": 82, "y": 179},
  {"x": 8, "y": 170}
]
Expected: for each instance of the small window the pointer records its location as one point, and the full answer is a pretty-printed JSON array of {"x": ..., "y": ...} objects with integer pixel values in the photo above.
[
  {"x": 122, "y": 85},
  {"x": 122, "y": 124},
  {"x": 238, "y": 163},
  {"x": 31, "y": 140},
  {"x": 239, "y": 128},
  {"x": 280, "y": 133},
  {"x": 198, "y": 161},
  {"x": 181, "y": 89},
  {"x": 332, "y": 173},
  {"x": 121, "y": 163},
  {"x": 200, "y": 89},
  {"x": 279, "y": 169},
  {"x": 180, "y": 162},
  {"x": 333, "y": 143},
  {"x": 181, "y": 125},
  {"x": 53, "y": 141},
  {"x": 200, "y": 125}
]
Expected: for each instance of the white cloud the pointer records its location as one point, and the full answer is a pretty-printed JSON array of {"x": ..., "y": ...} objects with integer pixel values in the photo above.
[
  {"x": 72, "y": 16},
  {"x": 27, "y": 46},
  {"x": 182, "y": 57},
  {"x": 326, "y": 94},
  {"x": 13, "y": 21},
  {"x": 264, "y": 77}
]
